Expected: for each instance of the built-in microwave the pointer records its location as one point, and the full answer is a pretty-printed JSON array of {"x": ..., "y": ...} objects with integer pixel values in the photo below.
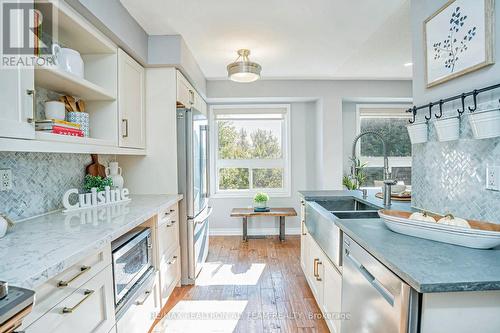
[{"x": 132, "y": 260}]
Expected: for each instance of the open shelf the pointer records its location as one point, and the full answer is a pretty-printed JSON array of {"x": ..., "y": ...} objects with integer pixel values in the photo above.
[
  {"x": 45, "y": 136},
  {"x": 54, "y": 79}
]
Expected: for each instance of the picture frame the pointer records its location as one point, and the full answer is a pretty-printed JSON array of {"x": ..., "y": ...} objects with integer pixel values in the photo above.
[{"x": 458, "y": 39}]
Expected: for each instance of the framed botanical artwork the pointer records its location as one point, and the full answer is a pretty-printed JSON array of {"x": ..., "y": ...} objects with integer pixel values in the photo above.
[{"x": 458, "y": 39}]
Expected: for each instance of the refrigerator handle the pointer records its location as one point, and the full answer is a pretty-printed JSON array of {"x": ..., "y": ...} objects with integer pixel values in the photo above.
[{"x": 207, "y": 167}]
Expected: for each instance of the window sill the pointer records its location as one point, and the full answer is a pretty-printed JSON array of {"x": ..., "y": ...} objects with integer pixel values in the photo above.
[{"x": 249, "y": 195}]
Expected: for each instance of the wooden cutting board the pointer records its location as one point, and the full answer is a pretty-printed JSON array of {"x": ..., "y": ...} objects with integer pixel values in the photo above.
[{"x": 96, "y": 169}]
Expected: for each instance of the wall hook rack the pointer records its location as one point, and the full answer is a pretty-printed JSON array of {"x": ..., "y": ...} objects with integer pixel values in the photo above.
[
  {"x": 462, "y": 97},
  {"x": 440, "y": 110},
  {"x": 474, "y": 93},
  {"x": 430, "y": 112}
]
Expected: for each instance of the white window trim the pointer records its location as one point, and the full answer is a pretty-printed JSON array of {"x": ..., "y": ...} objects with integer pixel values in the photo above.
[
  {"x": 287, "y": 186},
  {"x": 377, "y": 162}
]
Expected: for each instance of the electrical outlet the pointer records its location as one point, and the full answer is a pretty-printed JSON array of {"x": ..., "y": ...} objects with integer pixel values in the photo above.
[
  {"x": 493, "y": 178},
  {"x": 5, "y": 179}
]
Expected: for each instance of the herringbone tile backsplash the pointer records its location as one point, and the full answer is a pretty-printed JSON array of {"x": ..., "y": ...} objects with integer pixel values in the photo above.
[
  {"x": 40, "y": 180},
  {"x": 451, "y": 176}
]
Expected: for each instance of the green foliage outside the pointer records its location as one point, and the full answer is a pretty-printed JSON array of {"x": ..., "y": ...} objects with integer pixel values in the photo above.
[
  {"x": 394, "y": 132},
  {"x": 238, "y": 144}
]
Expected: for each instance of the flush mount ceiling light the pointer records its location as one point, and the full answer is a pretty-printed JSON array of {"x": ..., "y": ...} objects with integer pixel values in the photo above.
[{"x": 242, "y": 69}]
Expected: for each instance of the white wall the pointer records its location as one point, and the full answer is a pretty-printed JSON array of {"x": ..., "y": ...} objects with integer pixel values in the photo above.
[
  {"x": 303, "y": 138},
  {"x": 421, "y": 10}
]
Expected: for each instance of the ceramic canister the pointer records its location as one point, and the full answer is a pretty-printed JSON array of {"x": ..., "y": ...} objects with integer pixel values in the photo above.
[{"x": 81, "y": 118}]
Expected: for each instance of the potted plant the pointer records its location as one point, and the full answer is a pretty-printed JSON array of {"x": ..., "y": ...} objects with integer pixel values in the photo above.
[
  {"x": 260, "y": 201},
  {"x": 353, "y": 183},
  {"x": 98, "y": 182}
]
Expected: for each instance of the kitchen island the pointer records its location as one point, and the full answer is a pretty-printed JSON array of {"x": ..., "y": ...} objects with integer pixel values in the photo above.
[{"x": 447, "y": 281}]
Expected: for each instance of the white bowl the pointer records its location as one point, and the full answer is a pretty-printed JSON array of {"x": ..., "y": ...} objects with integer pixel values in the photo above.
[
  {"x": 395, "y": 189},
  {"x": 418, "y": 133},
  {"x": 485, "y": 124},
  {"x": 448, "y": 129}
]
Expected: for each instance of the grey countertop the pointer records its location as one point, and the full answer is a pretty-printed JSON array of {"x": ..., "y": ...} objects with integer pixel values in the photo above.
[
  {"x": 38, "y": 249},
  {"x": 427, "y": 266}
]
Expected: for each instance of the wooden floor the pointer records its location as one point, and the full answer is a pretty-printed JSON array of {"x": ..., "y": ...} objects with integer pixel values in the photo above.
[{"x": 256, "y": 286}]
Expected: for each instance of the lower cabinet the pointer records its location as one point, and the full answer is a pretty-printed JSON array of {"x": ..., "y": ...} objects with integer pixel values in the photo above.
[
  {"x": 139, "y": 317},
  {"x": 170, "y": 274},
  {"x": 324, "y": 279},
  {"x": 90, "y": 308}
]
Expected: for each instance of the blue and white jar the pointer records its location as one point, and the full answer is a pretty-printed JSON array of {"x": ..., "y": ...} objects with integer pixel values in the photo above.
[{"x": 81, "y": 118}]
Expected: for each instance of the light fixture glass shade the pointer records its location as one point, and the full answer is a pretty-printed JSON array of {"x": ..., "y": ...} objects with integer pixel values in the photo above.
[{"x": 244, "y": 70}]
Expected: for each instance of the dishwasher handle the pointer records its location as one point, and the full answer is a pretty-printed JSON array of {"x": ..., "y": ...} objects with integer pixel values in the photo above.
[{"x": 382, "y": 290}]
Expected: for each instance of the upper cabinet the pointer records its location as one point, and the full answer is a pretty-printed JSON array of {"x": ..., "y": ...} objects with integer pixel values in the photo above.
[
  {"x": 131, "y": 102},
  {"x": 17, "y": 95},
  {"x": 187, "y": 96}
]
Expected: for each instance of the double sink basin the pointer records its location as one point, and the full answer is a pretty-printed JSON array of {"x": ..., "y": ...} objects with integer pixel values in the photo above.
[
  {"x": 349, "y": 208},
  {"x": 320, "y": 221}
]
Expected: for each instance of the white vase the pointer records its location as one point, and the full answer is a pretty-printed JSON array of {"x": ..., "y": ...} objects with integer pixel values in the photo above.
[
  {"x": 448, "y": 129},
  {"x": 418, "y": 133},
  {"x": 485, "y": 124},
  {"x": 114, "y": 172},
  {"x": 3, "y": 226}
]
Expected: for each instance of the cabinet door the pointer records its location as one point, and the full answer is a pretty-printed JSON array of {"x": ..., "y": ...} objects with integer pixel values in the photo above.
[
  {"x": 316, "y": 273},
  {"x": 304, "y": 247},
  {"x": 332, "y": 291},
  {"x": 185, "y": 92},
  {"x": 131, "y": 102},
  {"x": 170, "y": 274},
  {"x": 17, "y": 96},
  {"x": 90, "y": 309}
]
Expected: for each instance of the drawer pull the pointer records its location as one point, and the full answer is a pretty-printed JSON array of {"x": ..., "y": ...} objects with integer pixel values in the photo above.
[
  {"x": 146, "y": 293},
  {"x": 172, "y": 210},
  {"x": 173, "y": 261},
  {"x": 315, "y": 268},
  {"x": 87, "y": 294},
  {"x": 173, "y": 222},
  {"x": 83, "y": 270},
  {"x": 317, "y": 274}
]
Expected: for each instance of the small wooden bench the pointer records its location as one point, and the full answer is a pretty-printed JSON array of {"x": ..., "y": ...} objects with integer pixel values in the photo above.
[{"x": 245, "y": 213}]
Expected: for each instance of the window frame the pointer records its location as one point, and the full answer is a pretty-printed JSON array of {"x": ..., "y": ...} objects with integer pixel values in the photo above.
[
  {"x": 378, "y": 162},
  {"x": 284, "y": 162}
]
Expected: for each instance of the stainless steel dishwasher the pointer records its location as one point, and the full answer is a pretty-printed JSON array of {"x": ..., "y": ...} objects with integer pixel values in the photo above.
[{"x": 374, "y": 299}]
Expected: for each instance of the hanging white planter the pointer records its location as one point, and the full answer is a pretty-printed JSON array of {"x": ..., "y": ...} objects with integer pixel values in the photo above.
[
  {"x": 418, "y": 133},
  {"x": 448, "y": 129},
  {"x": 485, "y": 124}
]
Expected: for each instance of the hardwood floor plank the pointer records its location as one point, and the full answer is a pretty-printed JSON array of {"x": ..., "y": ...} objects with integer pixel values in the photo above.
[{"x": 268, "y": 280}]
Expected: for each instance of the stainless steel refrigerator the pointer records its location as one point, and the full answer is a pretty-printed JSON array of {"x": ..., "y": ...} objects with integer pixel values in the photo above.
[{"x": 193, "y": 173}]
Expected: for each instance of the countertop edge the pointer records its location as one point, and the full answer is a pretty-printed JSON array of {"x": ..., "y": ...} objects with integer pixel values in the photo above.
[{"x": 41, "y": 277}]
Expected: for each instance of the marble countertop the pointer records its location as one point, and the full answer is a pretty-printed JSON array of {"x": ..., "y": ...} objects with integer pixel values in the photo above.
[
  {"x": 38, "y": 249},
  {"x": 427, "y": 266}
]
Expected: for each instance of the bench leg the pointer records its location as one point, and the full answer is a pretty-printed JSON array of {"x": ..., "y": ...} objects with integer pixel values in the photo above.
[
  {"x": 245, "y": 229},
  {"x": 282, "y": 228}
]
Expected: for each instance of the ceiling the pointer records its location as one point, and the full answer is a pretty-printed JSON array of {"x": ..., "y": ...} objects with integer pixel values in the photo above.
[{"x": 293, "y": 39}]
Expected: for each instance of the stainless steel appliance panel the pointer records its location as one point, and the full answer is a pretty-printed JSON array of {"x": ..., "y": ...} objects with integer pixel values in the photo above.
[
  {"x": 374, "y": 297},
  {"x": 132, "y": 258},
  {"x": 199, "y": 240}
]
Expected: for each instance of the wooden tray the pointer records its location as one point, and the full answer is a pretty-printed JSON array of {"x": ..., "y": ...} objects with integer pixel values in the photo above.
[{"x": 394, "y": 197}]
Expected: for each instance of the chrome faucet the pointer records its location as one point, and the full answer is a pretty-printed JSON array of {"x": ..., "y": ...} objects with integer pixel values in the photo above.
[{"x": 388, "y": 182}]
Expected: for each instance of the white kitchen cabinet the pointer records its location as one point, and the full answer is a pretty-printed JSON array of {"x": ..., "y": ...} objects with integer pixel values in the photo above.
[
  {"x": 332, "y": 291},
  {"x": 316, "y": 270},
  {"x": 185, "y": 92},
  {"x": 139, "y": 317},
  {"x": 17, "y": 94},
  {"x": 131, "y": 102},
  {"x": 89, "y": 309}
]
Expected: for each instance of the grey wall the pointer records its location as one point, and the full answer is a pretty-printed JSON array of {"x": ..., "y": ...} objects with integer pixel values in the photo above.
[
  {"x": 39, "y": 181},
  {"x": 303, "y": 137},
  {"x": 329, "y": 95},
  {"x": 450, "y": 177}
]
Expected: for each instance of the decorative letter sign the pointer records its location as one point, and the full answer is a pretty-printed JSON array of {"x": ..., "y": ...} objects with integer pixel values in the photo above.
[{"x": 95, "y": 199}]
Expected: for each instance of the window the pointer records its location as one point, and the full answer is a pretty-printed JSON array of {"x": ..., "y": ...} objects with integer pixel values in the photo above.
[
  {"x": 250, "y": 149},
  {"x": 390, "y": 121}
]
